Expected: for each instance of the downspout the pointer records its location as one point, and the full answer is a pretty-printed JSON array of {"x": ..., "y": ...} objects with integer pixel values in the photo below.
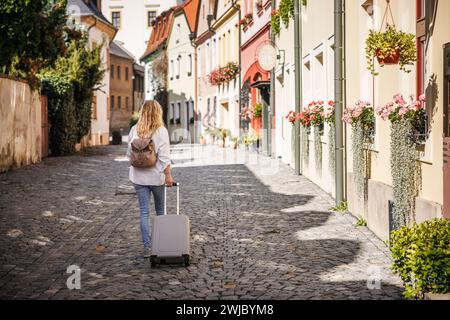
[
  {"x": 298, "y": 82},
  {"x": 339, "y": 98},
  {"x": 238, "y": 8},
  {"x": 272, "y": 90},
  {"x": 194, "y": 72}
]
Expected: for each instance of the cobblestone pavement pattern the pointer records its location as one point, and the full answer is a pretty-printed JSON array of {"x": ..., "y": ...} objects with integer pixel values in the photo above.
[{"x": 258, "y": 232}]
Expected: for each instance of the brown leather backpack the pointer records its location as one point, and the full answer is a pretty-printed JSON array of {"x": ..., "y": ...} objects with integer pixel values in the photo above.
[{"x": 143, "y": 154}]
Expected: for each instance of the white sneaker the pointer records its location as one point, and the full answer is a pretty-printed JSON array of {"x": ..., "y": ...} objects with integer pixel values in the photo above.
[{"x": 147, "y": 253}]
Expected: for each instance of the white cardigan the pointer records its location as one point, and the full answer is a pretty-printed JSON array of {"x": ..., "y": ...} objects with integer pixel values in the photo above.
[{"x": 151, "y": 176}]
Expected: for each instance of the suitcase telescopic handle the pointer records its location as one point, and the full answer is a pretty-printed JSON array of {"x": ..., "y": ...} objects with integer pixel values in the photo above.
[{"x": 175, "y": 184}]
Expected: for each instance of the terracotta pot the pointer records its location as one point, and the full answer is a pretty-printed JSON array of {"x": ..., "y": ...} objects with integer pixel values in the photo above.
[
  {"x": 393, "y": 59},
  {"x": 256, "y": 124}
]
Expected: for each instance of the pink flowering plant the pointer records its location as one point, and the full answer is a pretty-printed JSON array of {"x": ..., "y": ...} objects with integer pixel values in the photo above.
[
  {"x": 328, "y": 112},
  {"x": 399, "y": 108},
  {"x": 361, "y": 113},
  {"x": 316, "y": 113},
  {"x": 292, "y": 117},
  {"x": 224, "y": 75}
]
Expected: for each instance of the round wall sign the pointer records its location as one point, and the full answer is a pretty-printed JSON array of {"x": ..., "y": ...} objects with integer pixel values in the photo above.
[{"x": 267, "y": 56}]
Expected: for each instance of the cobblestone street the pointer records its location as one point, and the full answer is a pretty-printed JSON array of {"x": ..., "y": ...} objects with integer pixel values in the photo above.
[{"x": 258, "y": 231}]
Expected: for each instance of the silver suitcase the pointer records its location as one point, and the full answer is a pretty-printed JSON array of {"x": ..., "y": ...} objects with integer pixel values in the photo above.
[{"x": 171, "y": 236}]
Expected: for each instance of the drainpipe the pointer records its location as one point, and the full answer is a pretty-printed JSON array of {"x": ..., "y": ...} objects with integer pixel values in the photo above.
[
  {"x": 271, "y": 110},
  {"x": 238, "y": 8},
  {"x": 339, "y": 97},
  {"x": 298, "y": 82}
]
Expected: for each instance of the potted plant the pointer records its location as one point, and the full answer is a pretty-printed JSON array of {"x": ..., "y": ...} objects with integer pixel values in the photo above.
[
  {"x": 390, "y": 47},
  {"x": 224, "y": 133},
  {"x": 275, "y": 22},
  {"x": 235, "y": 142},
  {"x": 421, "y": 255},
  {"x": 202, "y": 140}
]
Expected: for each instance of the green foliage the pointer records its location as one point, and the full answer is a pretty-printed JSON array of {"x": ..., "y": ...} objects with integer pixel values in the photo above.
[
  {"x": 257, "y": 110},
  {"x": 331, "y": 149},
  {"x": 388, "y": 43},
  {"x": 318, "y": 148},
  {"x": 421, "y": 257},
  {"x": 61, "y": 113},
  {"x": 286, "y": 10},
  {"x": 72, "y": 80},
  {"x": 134, "y": 118},
  {"x": 275, "y": 23},
  {"x": 342, "y": 207},
  {"x": 224, "y": 133},
  {"x": 304, "y": 135},
  {"x": 403, "y": 168},
  {"x": 33, "y": 34},
  {"x": 361, "y": 222},
  {"x": 358, "y": 156}
]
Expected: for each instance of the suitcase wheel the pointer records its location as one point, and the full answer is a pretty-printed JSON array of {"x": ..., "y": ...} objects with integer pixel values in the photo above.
[{"x": 186, "y": 260}]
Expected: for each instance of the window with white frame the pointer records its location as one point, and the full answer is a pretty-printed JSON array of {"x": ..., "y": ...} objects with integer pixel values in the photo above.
[
  {"x": 171, "y": 113},
  {"x": 189, "y": 67},
  {"x": 178, "y": 67},
  {"x": 178, "y": 113}
]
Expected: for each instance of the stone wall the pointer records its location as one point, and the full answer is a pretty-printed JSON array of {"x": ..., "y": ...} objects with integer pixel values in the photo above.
[{"x": 20, "y": 124}]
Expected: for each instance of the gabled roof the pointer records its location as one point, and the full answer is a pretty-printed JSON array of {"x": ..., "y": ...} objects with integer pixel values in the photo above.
[
  {"x": 160, "y": 32},
  {"x": 117, "y": 49},
  {"x": 86, "y": 8},
  {"x": 191, "y": 10}
]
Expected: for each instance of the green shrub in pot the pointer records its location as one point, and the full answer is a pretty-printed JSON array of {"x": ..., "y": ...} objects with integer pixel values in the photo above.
[{"x": 421, "y": 255}]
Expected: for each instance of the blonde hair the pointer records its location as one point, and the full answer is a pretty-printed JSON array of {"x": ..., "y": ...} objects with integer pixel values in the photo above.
[{"x": 150, "y": 119}]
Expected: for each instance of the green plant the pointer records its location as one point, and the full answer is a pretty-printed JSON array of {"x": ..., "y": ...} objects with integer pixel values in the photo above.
[
  {"x": 361, "y": 222},
  {"x": 389, "y": 43},
  {"x": 304, "y": 135},
  {"x": 275, "y": 22},
  {"x": 33, "y": 36},
  {"x": 421, "y": 257},
  {"x": 224, "y": 133},
  {"x": 342, "y": 207},
  {"x": 70, "y": 86},
  {"x": 286, "y": 9},
  {"x": 403, "y": 169},
  {"x": 318, "y": 148},
  {"x": 134, "y": 118},
  {"x": 331, "y": 149},
  {"x": 257, "y": 110}
]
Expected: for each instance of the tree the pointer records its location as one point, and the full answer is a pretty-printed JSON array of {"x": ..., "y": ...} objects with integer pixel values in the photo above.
[{"x": 33, "y": 33}]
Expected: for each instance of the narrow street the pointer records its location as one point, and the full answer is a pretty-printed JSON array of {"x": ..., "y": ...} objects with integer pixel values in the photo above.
[{"x": 258, "y": 231}]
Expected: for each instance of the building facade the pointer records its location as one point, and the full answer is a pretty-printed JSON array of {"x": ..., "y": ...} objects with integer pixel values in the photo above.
[
  {"x": 428, "y": 20},
  {"x": 100, "y": 31},
  {"x": 121, "y": 86},
  {"x": 206, "y": 49},
  {"x": 255, "y": 82},
  {"x": 181, "y": 78},
  {"x": 223, "y": 52},
  {"x": 133, "y": 20}
]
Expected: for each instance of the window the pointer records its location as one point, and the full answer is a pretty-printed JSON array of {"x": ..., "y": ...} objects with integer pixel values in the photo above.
[
  {"x": 178, "y": 113},
  {"x": 126, "y": 73},
  {"x": 171, "y": 112},
  {"x": 115, "y": 18},
  {"x": 118, "y": 72},
  {"x": 112, "y": 71},
  {"x": 94, "y": 107},
  {"x": 119, "y": 102},
  {"x": 189, "y": 73},
  {"x": 112, "y": 102},
  {"x": 178, "y": 67},
  {"x": 151, "y": 16},
  {"x": 127, "y": 103}
]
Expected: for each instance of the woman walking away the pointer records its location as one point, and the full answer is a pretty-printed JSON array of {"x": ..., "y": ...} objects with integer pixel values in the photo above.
[{"x": 149, "y": 154}]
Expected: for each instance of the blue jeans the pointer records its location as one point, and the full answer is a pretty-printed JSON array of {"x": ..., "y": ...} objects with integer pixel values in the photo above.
[{"x": 143, "y": 193}]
